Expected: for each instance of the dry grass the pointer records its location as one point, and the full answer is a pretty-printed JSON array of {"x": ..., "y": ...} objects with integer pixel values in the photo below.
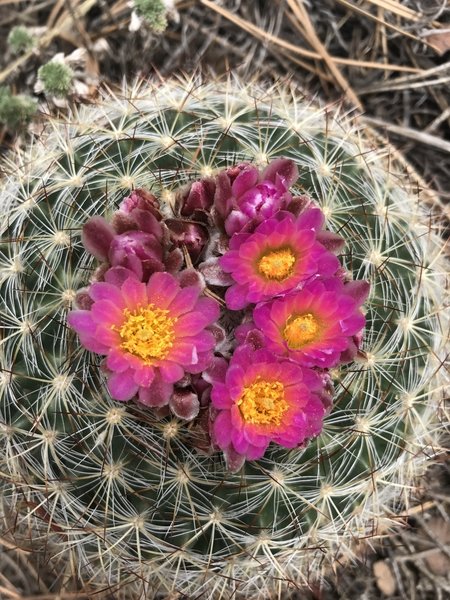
[{"x": 387, "y": 58}]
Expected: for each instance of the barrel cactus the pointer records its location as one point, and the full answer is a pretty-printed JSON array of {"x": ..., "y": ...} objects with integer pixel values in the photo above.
[{"x": 129, "y": 497}]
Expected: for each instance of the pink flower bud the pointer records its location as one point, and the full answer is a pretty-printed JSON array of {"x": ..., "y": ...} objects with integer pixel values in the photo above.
[
  {"x": 138, "y": 251},
  {"x": 190, "y": 234},
  {"x": 184, "y": 404}
]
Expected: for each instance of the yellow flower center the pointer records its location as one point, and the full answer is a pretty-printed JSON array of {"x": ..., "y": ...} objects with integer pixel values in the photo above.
[
  {"x": 277, "y": 264},
  {"x": 300, "y": 331},
  {"x": 263, "y": 403},
  {"x": 147, "y": 332}
]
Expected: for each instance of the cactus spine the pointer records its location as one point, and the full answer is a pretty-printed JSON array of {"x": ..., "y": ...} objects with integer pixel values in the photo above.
[{"x": 122, "y": 494}]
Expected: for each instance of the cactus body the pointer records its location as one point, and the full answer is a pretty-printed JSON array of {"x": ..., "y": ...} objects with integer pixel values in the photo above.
[{"x": 125, "y": 495}]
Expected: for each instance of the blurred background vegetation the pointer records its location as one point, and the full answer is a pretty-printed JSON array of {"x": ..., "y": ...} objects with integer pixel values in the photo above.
[{"x": 385, "y": 60}]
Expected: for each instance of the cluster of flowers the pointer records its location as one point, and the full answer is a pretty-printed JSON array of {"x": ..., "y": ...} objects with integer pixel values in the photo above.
[{"x": 255, "y": 371}]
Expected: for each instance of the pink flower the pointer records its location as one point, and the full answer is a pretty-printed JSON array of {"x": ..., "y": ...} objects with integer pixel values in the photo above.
[
  {"x": 254, "y": 196},
  {"x": 282, "y": 253},
  {"x": 264, "y": 399},
  {"x": 150, "y": 333},
  {"x": 316, "y": 327}
]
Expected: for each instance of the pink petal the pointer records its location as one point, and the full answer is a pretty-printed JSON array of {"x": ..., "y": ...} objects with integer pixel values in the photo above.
[
  {"x": 222, "y": 429},
  {"x": 162, "y": 288},
  {"x": 239, "y": 442},
  {"x": 117, "y": 361},
  {"x": 230, "y": 261},
  {"x": 184, "y": 301},
  {"x": 117, "y": 276},
  {"x": 122, "y": 386},
  {"x": 170, "y": 372},
  {"x": 246, "y": 179},
  {"x": 144, "y": 376},
  {"x": 254, "y": 438},
  {"x": 134, "y": 293},
  {"x": 203, "y": 341},
  {"x": 204, "y": 360},
  {"x": 220, "y": 396},
  {"x": 235, "y": 222},
  {"x": 207, "y": 309},
  {"x": 107, "y": 313},
  {"x": 331, "y": 241},
  {"x": 158, "y": 394},
  {"x": 93, "y": 344},
  {"x": 255, "y": 452},
  {"x": 81, "y": 321},
  {"x": 106, "y": 291},
  {"x": 217, "y": 371},
  {"x": 284, "y": 168},
  {"x": 358, "y": 290},
  {"x": 353, "y": 324},
  {"x": 106, "y": 335},
  {"x": 236, "y": 297},
  {"x": 327, "y": 264},
  {"x": 184, "y": 352}
]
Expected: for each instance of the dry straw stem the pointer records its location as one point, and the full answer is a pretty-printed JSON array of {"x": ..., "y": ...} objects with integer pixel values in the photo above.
[
  {"x": 412, "y": 134},
  {"x": 267, "y": 37}
]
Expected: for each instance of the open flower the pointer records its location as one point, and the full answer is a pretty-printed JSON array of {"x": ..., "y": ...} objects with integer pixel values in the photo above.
[
  {"x": 316, "y": 327},
  {"x": 264, "y": 399},
  {"x": 282, "y": 253},
  {"x": 150, "y": 333}
]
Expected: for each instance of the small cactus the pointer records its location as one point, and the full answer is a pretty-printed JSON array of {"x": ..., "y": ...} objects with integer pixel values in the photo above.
[
  {"x": 136, "y": 501},
  {"x": 16, "y": 111},
  {"x": 20, "y": 40},
  {"x": 154, "y": 12},
  {"x": 56, "y": 78}
]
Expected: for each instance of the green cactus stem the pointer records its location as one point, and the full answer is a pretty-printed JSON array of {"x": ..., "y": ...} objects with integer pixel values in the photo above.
[{"x": 128, "y": 499}]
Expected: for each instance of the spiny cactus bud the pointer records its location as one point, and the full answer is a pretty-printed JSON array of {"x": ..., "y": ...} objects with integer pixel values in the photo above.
[
  {"x": 154, "y": 12},
  {"x": 56, "y": 78},
  {"x": 153, "y": 437},
  {"x": 16, "y": 110},
  {"x": 20, "y": 40}
]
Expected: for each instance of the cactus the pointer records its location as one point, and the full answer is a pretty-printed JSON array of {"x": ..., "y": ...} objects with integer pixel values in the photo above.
[
  {"x": 16, "y": 111},
  {"x": 20, "y": 40},
  {"x": 56, "y": 78},
  {"x": 154, "y": 12},
  {"x": 123, "y": 495}
]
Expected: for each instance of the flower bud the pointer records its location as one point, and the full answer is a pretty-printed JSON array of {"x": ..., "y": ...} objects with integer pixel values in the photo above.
[
  {"x": 138, "y": 251},
  {"x": 190, "y": 234},
  {"x": 184, "y": 404}
]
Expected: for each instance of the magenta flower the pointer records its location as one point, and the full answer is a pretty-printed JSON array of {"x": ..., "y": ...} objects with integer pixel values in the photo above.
[
  {"x": 264, "y": 399},
  {"x": 282, "y": 253},
  {"x": 150, "y": 333},
  {"x": 254, "y": 196},
  {"x": 316, "y": 327}
]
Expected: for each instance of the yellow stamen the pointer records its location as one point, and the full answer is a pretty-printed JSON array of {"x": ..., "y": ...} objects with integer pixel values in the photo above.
[
  {"x": 263, "y": 403},
  {"x": 277, "y": 264},
  {"x": 300, "y": 331},
  {"x": 147, "y": 332}
]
